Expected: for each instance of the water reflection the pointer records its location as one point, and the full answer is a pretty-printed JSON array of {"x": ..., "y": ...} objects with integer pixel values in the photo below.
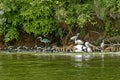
[
  {"x": 78, "y": 57},
  {"x": 84, "y": 60},
  {"x": 87, "y": 57},
  {"x": 78, "y": 60},
  {"x": 102, "y": 60},
  {"x": 81, "y": 60}
]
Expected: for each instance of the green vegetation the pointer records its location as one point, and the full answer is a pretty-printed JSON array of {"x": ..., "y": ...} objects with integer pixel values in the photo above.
[{"x": 62, "y": 17}]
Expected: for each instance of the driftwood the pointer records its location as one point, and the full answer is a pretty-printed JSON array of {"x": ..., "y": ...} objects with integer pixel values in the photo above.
[
  {"x": 113, "y": 48},
  {"x": 113, "y": 44}
]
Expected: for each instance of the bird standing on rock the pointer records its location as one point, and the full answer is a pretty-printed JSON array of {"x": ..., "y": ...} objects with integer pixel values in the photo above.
[{"x": 44, "y": 40}]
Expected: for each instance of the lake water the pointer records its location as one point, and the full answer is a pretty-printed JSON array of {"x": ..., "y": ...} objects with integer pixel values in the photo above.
[{"x": 59, "y": 67}]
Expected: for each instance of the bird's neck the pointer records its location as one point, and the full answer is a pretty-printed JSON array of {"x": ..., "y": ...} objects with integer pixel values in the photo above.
[
  {"x": 87, "y": 45},
  {"x": 40, "y": 38},
  {"x": 103, "y": 41},
  {"x": 77, "y": 35},
  {"x": 75, "y": 40}
]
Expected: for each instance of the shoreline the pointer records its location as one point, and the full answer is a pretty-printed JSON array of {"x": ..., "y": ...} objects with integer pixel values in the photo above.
[{"x": 59, "y": 53}]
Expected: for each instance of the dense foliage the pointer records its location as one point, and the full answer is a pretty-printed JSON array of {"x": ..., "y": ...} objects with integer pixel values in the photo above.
[{"x": 44, "y": 17}]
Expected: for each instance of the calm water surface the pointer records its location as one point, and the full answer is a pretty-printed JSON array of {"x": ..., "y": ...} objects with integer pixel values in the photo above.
[{"x": 58, "y": 67}]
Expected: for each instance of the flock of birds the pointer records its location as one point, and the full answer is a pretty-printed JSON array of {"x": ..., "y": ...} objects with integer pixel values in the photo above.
[
  {"x": 80, "y": 46},
  {"x": 85, "y": 46},
  {"x": 88, "y": 47}
]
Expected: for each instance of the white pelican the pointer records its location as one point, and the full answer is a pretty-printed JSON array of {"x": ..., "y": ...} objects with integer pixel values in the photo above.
[
  {"x": 78, "y": 41},
  {"x": 88, "y": 48},
  {"x": 78, "y": 48}
]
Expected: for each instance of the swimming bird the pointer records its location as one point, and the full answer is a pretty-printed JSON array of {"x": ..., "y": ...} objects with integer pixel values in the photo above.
[{"x": 44, "y": 40}]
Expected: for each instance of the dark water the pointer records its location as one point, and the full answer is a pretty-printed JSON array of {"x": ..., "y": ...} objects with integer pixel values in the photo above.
[{"x": 56, "y": 67}]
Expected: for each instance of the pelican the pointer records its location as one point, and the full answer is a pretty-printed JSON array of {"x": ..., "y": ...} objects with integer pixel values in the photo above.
[
  {"x": 78, "y": 48},
  {"x": 44, "y": 40},
  {"x": 78, "y": 41},
  {"x": 88, "y": 48}
]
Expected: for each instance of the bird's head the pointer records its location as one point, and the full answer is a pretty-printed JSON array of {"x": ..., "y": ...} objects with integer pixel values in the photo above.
[
  {"x": 77, "y": 34},
  {"x": 102, "y": 40}
]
